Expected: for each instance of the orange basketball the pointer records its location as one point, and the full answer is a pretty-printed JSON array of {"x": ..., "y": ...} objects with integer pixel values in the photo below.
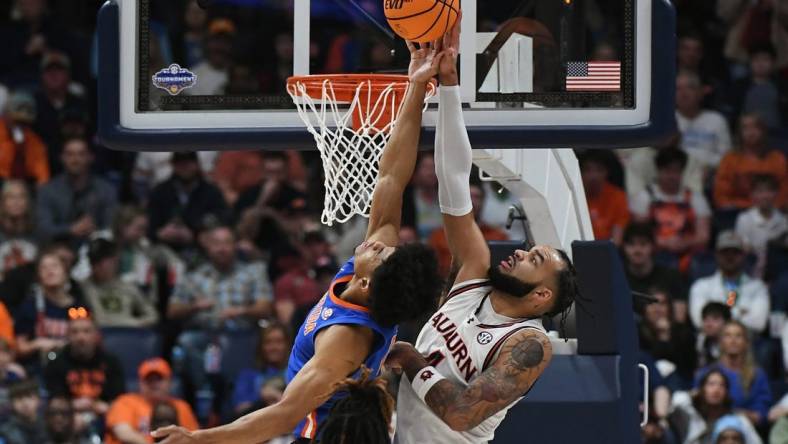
[{"x": 421, "y": 20}]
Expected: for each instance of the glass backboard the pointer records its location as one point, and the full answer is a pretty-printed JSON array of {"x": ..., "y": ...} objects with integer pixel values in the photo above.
[{"x": 534, "y": 73}]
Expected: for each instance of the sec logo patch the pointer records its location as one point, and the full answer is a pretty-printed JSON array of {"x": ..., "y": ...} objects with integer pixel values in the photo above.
[
  {"x": 327, "y": 313},
  {"x": 484, "y": 338}
]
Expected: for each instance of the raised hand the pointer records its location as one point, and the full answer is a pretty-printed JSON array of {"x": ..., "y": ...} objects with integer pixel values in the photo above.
[
  {"x": 424, "y": 61},
  {"x": 447, "y": 70}
]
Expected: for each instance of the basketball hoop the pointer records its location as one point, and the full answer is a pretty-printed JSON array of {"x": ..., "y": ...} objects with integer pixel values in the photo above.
[{"x": 350, "y": 116}]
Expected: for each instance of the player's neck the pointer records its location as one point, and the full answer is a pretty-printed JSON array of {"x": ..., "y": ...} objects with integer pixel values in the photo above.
[
  {"x": 352, "y": 293},
  {"x": 511, "y": 307}
]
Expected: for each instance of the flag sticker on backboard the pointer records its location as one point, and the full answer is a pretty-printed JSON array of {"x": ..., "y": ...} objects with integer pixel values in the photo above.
[{"x": 593, "y": 76}]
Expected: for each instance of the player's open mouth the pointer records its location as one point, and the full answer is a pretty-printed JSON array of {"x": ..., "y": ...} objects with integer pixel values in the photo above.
[{"x": 508, "y": 263}]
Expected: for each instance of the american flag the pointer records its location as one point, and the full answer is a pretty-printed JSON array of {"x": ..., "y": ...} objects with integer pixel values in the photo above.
[{"x": 593, "y": 76}]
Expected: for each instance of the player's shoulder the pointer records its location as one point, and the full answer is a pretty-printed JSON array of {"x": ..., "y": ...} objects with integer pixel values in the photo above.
[
  {"x": 344, "y": 335},
  {"x": 527, "y": 348},
  {"x": 468, "y": 286}
]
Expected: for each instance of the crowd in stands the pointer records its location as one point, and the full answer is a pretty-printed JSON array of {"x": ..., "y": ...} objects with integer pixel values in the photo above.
[{"x": 145, "y": 289}]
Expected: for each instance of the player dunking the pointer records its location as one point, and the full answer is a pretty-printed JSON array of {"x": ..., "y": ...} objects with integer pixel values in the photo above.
[
  {"x": 485, "y": 347},
  {"x": 355, "y": 322}
]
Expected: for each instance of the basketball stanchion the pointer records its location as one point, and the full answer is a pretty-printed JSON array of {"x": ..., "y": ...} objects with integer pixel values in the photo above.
[{"x": 350, "y": 117}]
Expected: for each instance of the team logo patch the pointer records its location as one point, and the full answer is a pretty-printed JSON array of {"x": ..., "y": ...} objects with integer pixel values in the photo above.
[
  {"x": 484, "y": 338},
  {"x": 426, "y": 374},
  {"x": 327, "y": 313},
  {"x": 174, "y": 79}
]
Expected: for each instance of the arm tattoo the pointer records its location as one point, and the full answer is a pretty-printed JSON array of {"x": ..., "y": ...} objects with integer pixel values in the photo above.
[
  {"x": 526, "y": 354},
  {"x": 520, "y": 363}
]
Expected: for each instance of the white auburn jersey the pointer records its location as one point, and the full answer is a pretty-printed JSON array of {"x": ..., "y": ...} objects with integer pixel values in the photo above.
[{"x": 460, "y": 340}]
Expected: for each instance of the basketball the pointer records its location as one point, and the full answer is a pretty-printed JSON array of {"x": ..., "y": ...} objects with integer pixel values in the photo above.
[{"x": 421, "y": 20}]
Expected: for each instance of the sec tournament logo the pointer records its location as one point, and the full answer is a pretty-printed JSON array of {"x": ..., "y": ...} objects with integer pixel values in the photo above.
[
  {"x": 174, "y": 79},
  {"x": 484, "y": 338},
  {"x": 327, "y": 313}
]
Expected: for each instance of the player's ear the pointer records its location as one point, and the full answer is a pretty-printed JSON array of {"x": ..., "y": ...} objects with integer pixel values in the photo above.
[
  {"x": 365, "y": 283},
  {"x": 543, "y": 293}
]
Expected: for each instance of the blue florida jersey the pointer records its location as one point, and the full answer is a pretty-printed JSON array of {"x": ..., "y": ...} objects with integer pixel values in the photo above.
[{"x": 331, "y": 310}]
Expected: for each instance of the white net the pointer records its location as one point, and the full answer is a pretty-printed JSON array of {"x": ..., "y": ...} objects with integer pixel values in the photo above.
[{"x": 350, "y": 151}]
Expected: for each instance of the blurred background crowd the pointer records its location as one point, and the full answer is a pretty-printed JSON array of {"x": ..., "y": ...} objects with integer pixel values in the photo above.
[{"x": 142, "y": 289}]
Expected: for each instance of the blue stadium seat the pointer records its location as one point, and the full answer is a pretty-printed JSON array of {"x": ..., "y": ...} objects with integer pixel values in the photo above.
[
  {"x": 239, "y": 350},
  {"x": 131, "y": 346}
]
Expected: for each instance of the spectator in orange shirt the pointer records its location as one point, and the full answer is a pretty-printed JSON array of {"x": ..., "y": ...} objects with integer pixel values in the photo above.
[
  {"x": 681, "y": 217},
  {"x": 237, "y": 171},
  {"x": 6, "y": 326},
  {"x": 437, "y": 239},
  {"x": 22, "y": 153},
  {"x": 129, "y": 418},
  {"x": 733, "y": 184},
  {"x": 607, "y": 204}
]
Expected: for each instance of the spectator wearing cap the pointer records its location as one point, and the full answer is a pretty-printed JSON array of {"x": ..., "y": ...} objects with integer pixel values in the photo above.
[
  {"x": 178, "y": 205},
  {"x": 23, "y": 154},
  {"x": 115, "y": 303},
  {"x": 17, "y": 226},
  {"x": 83, "y": 371},
  {"x": 25, "y": 425},
  {"x": 731, "y": 429},
  {"x": 681, "y": 217},
  {"x": 747, "y": 297},
  {"x": 41, "y": 322},
  {"x": 753, "y": 156},
  {"x": 704, "y": 133},
  {"x": 76, "y": 202},
  {"x": 130, "y": 416},
  {"x": 753, "y": 24},
  {"x": 52, "y": 100},
  {"x": 214, "y": 71}
]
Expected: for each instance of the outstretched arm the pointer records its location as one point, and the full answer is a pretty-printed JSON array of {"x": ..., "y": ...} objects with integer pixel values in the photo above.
[
  {"x": 399, "y": 156},
  {"x": 453, "y": 161},
  {"x": 339, "y": 351},
  {"x": 521, "y": 361}
]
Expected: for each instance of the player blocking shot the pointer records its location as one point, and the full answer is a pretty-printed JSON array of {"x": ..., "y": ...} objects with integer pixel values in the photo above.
[
  {"x": 355, "y": 323},
  {"x": 484, "y": 349}
]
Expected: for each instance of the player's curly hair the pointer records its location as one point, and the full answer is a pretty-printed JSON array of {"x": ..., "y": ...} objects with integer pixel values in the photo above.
[
  {"x": 405, "y": 286},
  {"x": 363, "y": 416}
]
